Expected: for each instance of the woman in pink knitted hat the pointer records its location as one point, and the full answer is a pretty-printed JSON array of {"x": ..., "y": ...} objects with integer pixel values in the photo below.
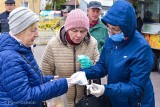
[{"x": 60, "y": 55}]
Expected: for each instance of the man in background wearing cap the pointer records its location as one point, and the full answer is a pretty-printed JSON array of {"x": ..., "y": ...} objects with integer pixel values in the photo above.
[
  {"x": 97, "y": 28},
  {"x": 10, "y": 5},
  {"x": 62, "y": 20}
]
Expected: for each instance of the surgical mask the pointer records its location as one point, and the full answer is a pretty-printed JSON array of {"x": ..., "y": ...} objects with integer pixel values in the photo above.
[{"x": 117, "y": 37}]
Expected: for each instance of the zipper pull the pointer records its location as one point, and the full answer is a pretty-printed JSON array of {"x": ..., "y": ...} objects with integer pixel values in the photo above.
[{"x": 116, "y": 47}]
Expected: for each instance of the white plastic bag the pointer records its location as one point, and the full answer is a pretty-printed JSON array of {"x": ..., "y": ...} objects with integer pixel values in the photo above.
[{"x": 60, "y": 101}]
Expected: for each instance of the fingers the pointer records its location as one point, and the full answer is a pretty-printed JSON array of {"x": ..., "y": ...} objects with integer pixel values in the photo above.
[
  {"x": 79, "y": 78},
  {"x": 91, "y": 88},
  {"x": 95, "y": 85},
  {"x": 56, "y": 77},
  {"x": 94, "y": 89},
  {"x": 88, "y": 87},
  {"x": 75, "y": 75},
  {"x": 69, "y": 82},
  {"x": 70, "y": 85}
]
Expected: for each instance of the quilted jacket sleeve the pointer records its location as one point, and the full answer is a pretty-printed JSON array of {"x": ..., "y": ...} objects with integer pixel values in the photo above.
[
  {"x": 47, "y": 61},
  {"x": 17, "y": 83},
  {"x": 48, "y": 78}
]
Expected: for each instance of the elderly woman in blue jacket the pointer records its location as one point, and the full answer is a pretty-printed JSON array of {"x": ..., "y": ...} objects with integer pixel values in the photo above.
[
  {"x": 126, "y": 58},
  {"x": 21, "y": 81}
]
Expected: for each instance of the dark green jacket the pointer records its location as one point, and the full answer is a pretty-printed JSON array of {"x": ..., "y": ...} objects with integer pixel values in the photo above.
[{"x": 99, "y": 32}]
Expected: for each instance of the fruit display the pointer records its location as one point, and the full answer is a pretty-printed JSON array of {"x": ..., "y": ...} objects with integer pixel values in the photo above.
[{"x": 153, "y": 40}]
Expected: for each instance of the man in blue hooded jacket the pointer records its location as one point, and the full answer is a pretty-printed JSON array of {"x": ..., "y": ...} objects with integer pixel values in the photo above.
[{"x": 126, "y": 58}]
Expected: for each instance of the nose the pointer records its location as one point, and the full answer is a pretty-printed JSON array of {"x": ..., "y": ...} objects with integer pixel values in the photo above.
[
  {"x": 111, "y": 32},
  {"x": 36, "y": 34},
  {"x": 79, "y": 34}
]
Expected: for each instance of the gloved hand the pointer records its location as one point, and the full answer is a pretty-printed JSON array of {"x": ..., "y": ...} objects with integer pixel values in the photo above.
[
  {"x": 54, "y": 77},
  {"x": 69, "y": 82},
  {"x": 96, "y": 89},
  {"x": 85, "y": 61},
  {"x": 79, "y": 78}
]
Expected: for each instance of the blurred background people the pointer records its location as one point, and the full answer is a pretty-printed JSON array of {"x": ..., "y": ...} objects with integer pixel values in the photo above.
[
  {"x": 148, "y": 17},
  {"x": 21, "y": 82},
  {"x": 61, "y": 54},
  {"x": 96, "y": 28},
  {"x": 10, "y": 5},
  {"x": 62, "y": 20},
  {"x": 139, "y": 23}
]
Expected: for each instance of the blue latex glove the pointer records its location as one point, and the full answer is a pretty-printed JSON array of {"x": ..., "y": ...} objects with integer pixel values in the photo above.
[{"x": 85, "y": 61}]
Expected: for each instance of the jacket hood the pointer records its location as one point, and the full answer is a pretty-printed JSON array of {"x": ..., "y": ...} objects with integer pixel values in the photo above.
[
  {"x": 62, "y": 33},
  {"x": 9, "y": 43},
  {"x": 122, "y": 14}
]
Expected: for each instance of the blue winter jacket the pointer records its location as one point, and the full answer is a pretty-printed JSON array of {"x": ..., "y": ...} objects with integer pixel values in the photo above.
[
  {"x": 20, "y": 85},
  {"x": 4, "y": 26},
  {"x": 128, "y": 64}
]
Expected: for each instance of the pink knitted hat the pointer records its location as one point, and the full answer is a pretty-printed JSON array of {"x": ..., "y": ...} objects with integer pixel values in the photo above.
[{"x": 76, "y": 18}]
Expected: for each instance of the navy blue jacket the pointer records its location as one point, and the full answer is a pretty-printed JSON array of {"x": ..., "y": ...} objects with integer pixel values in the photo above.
[
  {"x": 4, "y": 26},
  {"x": 20, "y": 85},
  {"x": 128, "y": 64}
]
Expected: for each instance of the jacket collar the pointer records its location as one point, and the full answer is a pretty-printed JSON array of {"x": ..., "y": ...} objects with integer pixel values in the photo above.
[{"x": 9, "y": 43}]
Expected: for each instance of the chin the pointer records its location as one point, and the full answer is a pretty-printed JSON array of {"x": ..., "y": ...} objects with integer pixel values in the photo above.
[{"x": 78, "y": 42}]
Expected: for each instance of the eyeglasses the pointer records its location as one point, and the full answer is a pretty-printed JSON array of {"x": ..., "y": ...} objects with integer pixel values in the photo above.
[{"x": 114, "y": 29}]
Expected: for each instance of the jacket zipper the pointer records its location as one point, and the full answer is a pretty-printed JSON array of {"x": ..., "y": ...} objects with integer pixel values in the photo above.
[
  {"x": 74, "y": 66},
  {"x": 109, "y": 53}
]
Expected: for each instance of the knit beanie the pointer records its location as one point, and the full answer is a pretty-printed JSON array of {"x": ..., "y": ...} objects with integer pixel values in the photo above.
[
  {"x": 76, "y": 18},
  {"x": 20, "y": 19}
]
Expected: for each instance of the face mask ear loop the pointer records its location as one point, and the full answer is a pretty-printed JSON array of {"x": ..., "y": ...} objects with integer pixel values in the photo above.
[{"x": 109, "y": 34}]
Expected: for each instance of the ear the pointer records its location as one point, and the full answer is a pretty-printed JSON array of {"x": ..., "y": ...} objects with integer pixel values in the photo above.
[
  {"x": 87, "y": 11},
  {"x": 17, "y": 35}
]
